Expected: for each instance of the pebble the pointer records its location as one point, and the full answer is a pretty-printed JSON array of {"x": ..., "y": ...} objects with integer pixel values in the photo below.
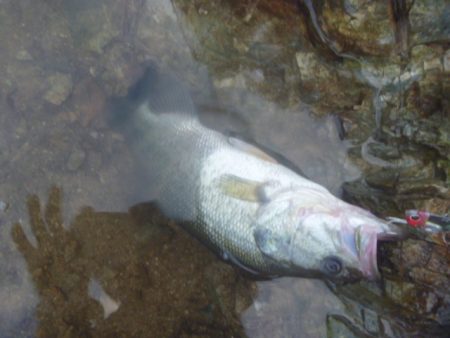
[
  {"x": 60, "y": 87},
  {"x": 371, "y": 321},
  {"x": 76, "y": 159},
  {"x": 23, "y": 55},
  {"x": 446, "y": 61},
  {"x": 432, "y": 64}
]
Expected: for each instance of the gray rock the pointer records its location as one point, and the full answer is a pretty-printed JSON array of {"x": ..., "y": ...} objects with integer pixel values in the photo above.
[
  {"x": 23, "y": 55},
  {"x": 76, "y": 159},
  {"x": 60, "y": 87}
]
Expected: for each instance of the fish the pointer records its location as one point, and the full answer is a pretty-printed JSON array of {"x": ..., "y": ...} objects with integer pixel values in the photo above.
[{"x": 240, "y": 200}]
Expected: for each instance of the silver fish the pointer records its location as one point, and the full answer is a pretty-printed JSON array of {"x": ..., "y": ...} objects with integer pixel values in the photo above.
[{"x": 240, "y": 201}]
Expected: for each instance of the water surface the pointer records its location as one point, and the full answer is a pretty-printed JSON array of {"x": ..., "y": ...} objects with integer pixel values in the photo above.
[{"x": 95, "y": 258}]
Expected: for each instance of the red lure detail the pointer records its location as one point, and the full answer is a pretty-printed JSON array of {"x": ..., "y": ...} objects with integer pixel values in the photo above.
[{"x": 416, "y": 218}]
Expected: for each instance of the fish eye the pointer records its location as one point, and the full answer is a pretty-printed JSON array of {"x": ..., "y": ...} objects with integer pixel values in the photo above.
[{"x": 332, "y": 265}]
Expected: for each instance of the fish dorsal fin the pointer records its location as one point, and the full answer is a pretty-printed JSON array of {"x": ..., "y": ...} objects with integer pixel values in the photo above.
[
  {"x": 262, "y": 152},
  {"x": 240, "y": 188},
  {"x": 163, "y": 93},
  {"x": 250, "y": 149}
]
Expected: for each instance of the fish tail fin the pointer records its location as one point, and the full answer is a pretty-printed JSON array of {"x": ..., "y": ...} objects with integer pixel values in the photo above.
[
  {"x": 162, "y": 93},
  {"x": 160, "y": 125},
  {"x": 155, "y": 93}
]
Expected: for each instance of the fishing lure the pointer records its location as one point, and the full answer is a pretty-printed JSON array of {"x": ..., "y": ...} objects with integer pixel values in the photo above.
[{"x": 422, "y": 222}]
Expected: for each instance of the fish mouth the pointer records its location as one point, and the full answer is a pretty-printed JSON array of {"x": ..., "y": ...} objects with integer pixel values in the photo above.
[{"x": 366, "y": 244}]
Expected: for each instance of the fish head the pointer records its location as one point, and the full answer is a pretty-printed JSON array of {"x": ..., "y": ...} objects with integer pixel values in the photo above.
[{"x": 328, "y": 238}]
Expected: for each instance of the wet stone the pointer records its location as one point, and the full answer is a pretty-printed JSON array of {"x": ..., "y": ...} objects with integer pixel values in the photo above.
[
  {"x": 429, "y": 23},
  {"x": 432, "y": 64},
  {"x": 23, "y": 55},
  {"x": 370, "y": 321},
  {"x": 443, "y": 316},
  {"x": 384, "y": 179},
  {"x": 431, "y": 302},
  {"x": 76, "y": 159},
  {"x": 422, "y": 275},
  {"x": 21, "y": 128},
  {"x": 89, "y": 100},
  {"x": 60, "y": 87},
  {"x": 338, "y": 327},
  {"x": 387, "y": 329},
  {"x": 310, "y": 67},
  {"x": 419, "y": 252},
  {"x": 94, "y": 161},
  {"x": 396, "y": 290},
  {"x": 424, "y": 187},
  {"x": 384, "y": 151},
  {"x": 437, "y": 263},
  {"x": 446, "y": 61},
  {"x": 366, "y": 24}
]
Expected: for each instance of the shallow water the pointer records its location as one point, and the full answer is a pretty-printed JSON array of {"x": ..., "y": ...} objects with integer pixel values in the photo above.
[{"x": 95, "y": 259}]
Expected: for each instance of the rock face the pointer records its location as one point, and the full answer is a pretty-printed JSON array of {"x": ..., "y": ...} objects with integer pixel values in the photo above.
[
  {"x": 371, "y": 63},
  {"x": 413, "y": 297},
  {"x": 369, "y": 78}
]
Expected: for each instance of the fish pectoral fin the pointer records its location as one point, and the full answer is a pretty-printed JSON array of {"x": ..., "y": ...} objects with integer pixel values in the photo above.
[
  {"x": 247, "y": 190},
  {"x": 231, "y": 258},
  {"x": 241, "y": 188},
  {"x": 251, "y": 149}
]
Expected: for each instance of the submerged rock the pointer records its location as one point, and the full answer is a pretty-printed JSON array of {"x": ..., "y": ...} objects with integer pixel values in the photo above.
[
  {"x": 60, "y": 87},
  {"x": 148, "y": 275},
  {"x": 76, "y": 159},
  {"x": 412, "y": 296}
]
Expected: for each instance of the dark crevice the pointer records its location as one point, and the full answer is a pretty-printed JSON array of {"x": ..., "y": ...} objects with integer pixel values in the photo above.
[{"x": 399, "y": 11}]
